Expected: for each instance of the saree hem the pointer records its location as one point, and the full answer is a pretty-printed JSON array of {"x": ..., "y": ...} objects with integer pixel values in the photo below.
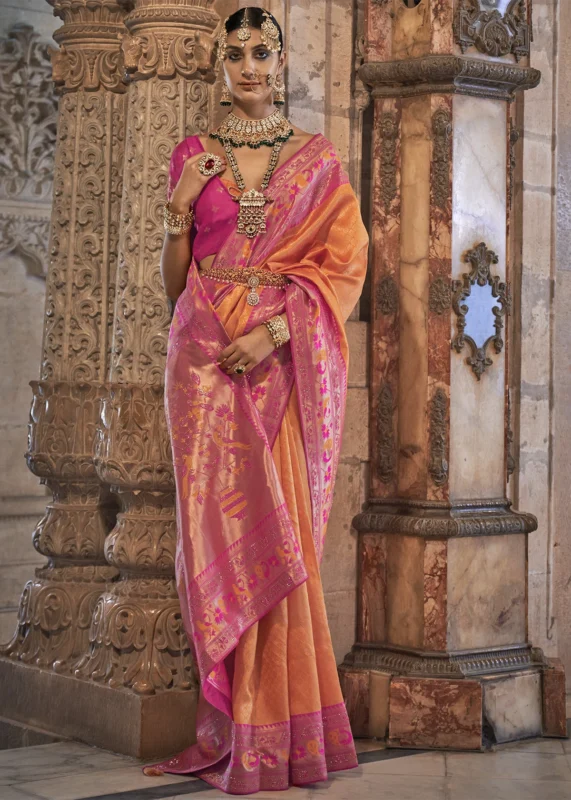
[{"x": 298, "y": 751}]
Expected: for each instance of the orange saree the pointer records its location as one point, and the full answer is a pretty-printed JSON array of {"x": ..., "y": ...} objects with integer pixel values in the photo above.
[{"x": 255, "y": 460}]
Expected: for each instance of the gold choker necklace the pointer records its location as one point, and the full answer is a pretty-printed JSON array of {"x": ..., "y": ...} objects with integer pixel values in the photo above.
[{"x": 237, "y": 131}]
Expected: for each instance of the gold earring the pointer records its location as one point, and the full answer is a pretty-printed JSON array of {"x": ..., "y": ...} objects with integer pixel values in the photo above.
[
  {"x": 279, "y": 91},
  {"x": 225, "y": 97}
]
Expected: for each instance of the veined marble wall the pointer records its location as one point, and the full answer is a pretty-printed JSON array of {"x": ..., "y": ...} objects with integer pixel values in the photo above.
[
  {"x": 25, "y": 203},
  {"x": 562, "y": 345},
  {"x": 542, "y": 422}
]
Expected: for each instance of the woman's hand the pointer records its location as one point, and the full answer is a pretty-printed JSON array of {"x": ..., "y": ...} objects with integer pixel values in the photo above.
[
  {"x": 190, "y": 184},
  {"x": 247, "y": 350}
]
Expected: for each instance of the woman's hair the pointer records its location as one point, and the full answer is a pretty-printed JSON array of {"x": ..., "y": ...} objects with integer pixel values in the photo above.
[{"x": 255, "y": 19}]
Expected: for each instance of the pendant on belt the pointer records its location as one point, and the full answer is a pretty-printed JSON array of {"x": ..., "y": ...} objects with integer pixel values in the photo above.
[
  {"x": 253, "y": 297},
  {"x": 252, "y": 215}
]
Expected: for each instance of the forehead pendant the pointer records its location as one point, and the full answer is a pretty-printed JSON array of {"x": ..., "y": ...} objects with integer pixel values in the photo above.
[{"x": 244, "y": 32}]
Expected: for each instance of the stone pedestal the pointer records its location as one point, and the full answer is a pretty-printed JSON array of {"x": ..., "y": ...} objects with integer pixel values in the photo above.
[{"x": 443, "y": 650}]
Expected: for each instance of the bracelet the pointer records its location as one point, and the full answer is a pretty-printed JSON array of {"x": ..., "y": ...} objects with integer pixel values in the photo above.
[
  {"x": 177, "y": 223},
  {"x": 278, "y": 329}
]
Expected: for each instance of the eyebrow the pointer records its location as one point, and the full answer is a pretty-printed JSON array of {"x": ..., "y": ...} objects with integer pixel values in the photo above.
[{"x": 239, "y": 49}]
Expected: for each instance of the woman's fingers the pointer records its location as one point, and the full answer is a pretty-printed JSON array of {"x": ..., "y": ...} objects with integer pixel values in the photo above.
[
  {"x": 231, "y": 361},
  {"x": 226, "y": 352}
]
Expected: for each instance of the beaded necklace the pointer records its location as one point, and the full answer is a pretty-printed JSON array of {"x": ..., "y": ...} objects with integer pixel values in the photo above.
[{"x": 253, "y": 132}]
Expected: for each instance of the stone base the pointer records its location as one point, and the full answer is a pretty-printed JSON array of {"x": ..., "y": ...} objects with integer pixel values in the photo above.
[
  {"x": 144, "y": 726},
  {"x": 16, "y": 734},
  {"x": 454, "y": 712}
]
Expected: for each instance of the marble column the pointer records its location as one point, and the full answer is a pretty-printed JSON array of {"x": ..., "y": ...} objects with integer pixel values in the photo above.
[
  {"x": 137, "y": 640},
  {"x": 443, "y": 651},
  {"x": 57, "y": 604}
]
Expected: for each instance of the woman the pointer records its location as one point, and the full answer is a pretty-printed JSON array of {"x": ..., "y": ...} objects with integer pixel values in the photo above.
[{"x": 255, "y": 395}]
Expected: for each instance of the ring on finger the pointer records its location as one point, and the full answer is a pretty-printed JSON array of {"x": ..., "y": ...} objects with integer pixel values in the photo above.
[
  {"x": 240, "y": 369},
  {"x": 209, "y": 164}
]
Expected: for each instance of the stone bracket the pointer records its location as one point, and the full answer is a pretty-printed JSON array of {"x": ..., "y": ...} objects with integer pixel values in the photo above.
[
  {"x": 446, "y": 74},
  {"x": 441, "y": 520},
  {"x": 397, "y": 660}
]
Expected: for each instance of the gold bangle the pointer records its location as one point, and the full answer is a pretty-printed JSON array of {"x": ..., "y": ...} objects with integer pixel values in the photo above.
[
  {"x": 278, "y": 329},
  {"x": 177, "y": 223}
]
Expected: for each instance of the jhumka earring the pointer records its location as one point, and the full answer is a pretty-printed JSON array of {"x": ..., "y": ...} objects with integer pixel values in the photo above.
[
  {"x": 279, "y": 91},
  {"x": 226, "y": 96}
]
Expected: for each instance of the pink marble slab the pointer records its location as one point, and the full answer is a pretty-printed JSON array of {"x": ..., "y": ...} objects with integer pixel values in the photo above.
[{"x": 435, "y": 713}]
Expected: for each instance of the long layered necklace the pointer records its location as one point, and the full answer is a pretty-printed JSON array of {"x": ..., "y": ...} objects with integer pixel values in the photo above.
[{"x": 271, "y": 131}]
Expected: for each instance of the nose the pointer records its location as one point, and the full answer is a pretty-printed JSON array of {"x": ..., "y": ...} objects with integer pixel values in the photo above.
[{"x": 249, "y": 71}]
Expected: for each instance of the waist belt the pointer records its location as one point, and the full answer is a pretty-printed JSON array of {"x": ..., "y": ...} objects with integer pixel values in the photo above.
[{"x": 247, "y": 276}]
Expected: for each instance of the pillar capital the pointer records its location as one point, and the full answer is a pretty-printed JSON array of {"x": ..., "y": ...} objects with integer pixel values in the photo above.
[
  {"x": 170, "y": 39},
  {"x": 89, "y": 56}
]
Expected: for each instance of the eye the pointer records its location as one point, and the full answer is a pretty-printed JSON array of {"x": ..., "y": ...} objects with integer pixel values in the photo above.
[
  {"x": 262, "y": 55},
  {"x": 234, "y": 56}
]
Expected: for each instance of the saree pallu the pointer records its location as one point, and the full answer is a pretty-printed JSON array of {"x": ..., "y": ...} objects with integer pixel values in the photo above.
[{"x": 255, "y": 459}]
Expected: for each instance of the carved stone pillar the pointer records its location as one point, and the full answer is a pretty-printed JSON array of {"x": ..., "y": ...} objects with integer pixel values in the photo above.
[
  {"x": 442, "y": 658},
  {"x": 137, "y": 641},
  {"x": 57, "y": 605}
]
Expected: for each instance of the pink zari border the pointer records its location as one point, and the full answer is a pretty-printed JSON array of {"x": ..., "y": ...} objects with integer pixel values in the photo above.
[{"x": 298, "y": 751}]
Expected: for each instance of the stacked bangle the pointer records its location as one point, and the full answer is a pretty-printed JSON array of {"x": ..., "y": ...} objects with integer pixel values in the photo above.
[
  {"x": 177, "y": 223},
  {"x": 278, "y": 329}
]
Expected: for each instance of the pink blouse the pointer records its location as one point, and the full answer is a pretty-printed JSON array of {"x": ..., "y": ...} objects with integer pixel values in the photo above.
[{"x": 215, "y": 213}]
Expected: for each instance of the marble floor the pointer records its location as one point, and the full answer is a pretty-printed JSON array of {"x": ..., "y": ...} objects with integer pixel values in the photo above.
[{"x": 531, "y": 770}]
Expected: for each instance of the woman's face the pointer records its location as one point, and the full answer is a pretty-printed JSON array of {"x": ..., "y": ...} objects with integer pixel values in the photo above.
[{"x": 246, "y": 68}]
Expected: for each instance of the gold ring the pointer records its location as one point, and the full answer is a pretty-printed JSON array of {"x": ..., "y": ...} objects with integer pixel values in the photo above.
[
  {"x": 209, "y": 164},
  {"x": 239, "y": 369}
]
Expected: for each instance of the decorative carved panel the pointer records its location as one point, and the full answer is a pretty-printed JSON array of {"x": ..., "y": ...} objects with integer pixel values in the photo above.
[
  {"x": 84, "y": 232},
  {"x": 480, "y": 289},
  {"x": 510, "y": 459},
  {"x": 386, "y": 454},
  {"x": 439, "y": 296},
  {"x": 389, "y": 143},
  {"x": 441, "y": 133},
  {"x": 494, "y": 27},
  {"x": 513, "y": 140},
  {"x": 26, "y": 236},
  {"x": 438, "y": 438},
  {"x": 387, "y": 296},
  {"x": 28, "y": 117}
]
